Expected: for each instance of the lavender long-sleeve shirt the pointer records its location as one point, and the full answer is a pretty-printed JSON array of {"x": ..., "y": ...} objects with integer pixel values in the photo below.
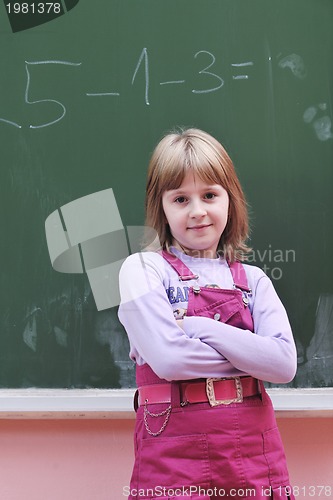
[{"x": 151, "y": 298}]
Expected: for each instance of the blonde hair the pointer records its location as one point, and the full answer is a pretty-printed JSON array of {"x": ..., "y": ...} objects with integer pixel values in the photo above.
[{"x": 194, "y": 150}]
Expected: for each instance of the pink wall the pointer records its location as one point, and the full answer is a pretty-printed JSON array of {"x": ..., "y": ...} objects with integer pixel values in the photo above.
[{"x": 91, "y": 459}]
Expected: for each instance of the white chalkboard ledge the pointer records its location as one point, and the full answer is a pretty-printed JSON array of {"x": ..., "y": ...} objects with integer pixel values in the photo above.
[{"x": 118, "y": 403}]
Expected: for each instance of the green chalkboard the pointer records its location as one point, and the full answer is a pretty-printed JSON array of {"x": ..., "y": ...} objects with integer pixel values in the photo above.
[{"x": 86, "y": 93}]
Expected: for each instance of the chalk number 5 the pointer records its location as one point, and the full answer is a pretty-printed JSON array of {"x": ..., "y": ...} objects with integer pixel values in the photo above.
[{"x": 62, "y": 110}]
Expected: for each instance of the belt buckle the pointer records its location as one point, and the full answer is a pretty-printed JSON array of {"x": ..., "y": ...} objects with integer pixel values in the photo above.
[{"x": 211, "y": 393}]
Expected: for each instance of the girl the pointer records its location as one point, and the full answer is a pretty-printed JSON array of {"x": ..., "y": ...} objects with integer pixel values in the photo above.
[{"x": 205, "y": 331}]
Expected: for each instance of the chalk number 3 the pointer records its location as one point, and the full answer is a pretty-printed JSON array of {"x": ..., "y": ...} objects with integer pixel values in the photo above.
[{"x": 209, "y": 73}]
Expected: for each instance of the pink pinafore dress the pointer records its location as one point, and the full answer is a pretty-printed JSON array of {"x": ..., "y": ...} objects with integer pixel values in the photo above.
[{"x": 202, "y": 451}]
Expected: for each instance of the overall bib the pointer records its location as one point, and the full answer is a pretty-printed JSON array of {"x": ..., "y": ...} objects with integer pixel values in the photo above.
[{"x": 207, "y": 439}]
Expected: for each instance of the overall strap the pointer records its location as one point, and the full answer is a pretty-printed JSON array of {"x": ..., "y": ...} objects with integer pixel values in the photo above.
[
  {"x": 236, "y": 268},
  {"x": 239, "y": 276},
  {"x": 179, "y": 266}
]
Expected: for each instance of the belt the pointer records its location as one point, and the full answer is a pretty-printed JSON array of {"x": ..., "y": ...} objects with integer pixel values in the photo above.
[{"x": 216, "y": 391}]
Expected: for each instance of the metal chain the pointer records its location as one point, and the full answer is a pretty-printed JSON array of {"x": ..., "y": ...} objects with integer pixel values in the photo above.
[{"x": 146, "y": 412}]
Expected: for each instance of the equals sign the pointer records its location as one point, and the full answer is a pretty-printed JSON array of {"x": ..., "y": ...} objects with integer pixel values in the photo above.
[{"x": 241, "y": 65}]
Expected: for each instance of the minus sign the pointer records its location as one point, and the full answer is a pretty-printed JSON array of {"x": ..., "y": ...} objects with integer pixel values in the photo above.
[
  {"x": 241, "y": 77},
  {"x": 172, "y": 81},
  {"x": 103, "y": 94},
  {"x": 239, "y": 65}
]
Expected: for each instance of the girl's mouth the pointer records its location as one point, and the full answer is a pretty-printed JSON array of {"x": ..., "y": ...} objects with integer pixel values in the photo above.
[{"x": 199, "y": 227}]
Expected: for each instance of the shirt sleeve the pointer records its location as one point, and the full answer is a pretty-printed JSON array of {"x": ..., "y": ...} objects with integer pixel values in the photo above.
[
  {"x": 153, "y": 332},
  {"x": 269, "y": 353}
]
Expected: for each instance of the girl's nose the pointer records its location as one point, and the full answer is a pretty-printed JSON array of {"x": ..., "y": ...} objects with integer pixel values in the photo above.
[{"x": 197, "y": 209}]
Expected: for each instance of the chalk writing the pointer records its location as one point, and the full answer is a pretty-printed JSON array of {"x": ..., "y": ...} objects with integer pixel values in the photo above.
[
  {"x": 208, "y": 75},
  {"x": 205, "y": 72},
  {"x": 241, "y": 65},
  {"x": 10, "y": 123},
  {"x": 27, "y": 89},
  {"x": 143, "y": 60},
  {"x": 101, "y": 94},
  {"x": 172, "y": 81},
  {"x": 143, "y": 56}
]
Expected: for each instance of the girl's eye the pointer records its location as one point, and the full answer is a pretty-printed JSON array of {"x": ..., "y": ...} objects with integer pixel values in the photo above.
[
  {"x": 210, "y": 196},
  {"x": 180, "y": 199}
]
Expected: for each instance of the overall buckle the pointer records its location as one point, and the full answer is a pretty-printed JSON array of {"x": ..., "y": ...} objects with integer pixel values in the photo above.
[{"x": 211, "y": 393}]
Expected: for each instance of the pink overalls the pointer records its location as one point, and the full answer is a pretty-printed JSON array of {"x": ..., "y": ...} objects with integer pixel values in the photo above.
[{"x": 210, "y": 449}]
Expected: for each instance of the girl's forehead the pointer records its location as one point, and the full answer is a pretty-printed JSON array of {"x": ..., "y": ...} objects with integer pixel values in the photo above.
[
  {"x": 197, "y": 177},
  {"x": 172, "y": 171},
  {"x": 192, "y": 181}
]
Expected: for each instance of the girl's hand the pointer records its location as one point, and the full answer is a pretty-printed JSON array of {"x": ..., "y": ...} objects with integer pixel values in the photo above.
[{"x": 180, "y": 323}]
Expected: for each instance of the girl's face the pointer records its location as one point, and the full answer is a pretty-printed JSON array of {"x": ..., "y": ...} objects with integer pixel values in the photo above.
[{"x": 197, "y": 214}]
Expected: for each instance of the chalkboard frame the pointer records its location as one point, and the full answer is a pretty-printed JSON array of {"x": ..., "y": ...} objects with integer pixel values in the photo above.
[{"x": 118, "y": 403}]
